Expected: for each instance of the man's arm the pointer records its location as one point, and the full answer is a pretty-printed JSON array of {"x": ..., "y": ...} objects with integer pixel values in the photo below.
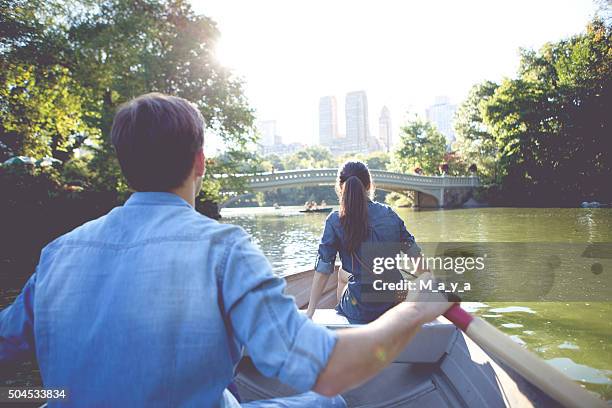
[
  {"x": 16, "y": 325},
  {"x": 284, "y": 343},
  {"x": 362, "y": 352}
]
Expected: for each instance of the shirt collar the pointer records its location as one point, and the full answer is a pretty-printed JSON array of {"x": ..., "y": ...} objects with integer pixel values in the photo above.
[{"x": 156, "y": 198}]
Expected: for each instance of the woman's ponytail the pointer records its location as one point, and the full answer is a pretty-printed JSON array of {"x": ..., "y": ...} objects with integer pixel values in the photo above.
[{"x": 354, "y": 186}]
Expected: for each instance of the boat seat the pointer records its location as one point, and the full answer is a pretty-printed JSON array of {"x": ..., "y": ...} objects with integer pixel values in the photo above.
[
  {"x": 428, "y": 346},
  {"x": 439, "y": 368},
  {"x": 331, "y": 318}
]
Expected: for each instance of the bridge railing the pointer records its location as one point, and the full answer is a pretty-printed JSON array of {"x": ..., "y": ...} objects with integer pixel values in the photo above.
[{"x": 328, "y": 176}]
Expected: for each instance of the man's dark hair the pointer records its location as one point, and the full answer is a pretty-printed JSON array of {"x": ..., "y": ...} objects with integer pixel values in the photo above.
[{"x": 156, "y": 138}]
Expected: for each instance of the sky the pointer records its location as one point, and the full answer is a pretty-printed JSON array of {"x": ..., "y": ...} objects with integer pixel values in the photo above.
[{"x": 403, "y": 53}]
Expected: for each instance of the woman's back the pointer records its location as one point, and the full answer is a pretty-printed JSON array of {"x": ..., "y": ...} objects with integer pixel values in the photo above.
[
  {"x": 359, "y": 231},
  {"x": 386, "y": 235}
]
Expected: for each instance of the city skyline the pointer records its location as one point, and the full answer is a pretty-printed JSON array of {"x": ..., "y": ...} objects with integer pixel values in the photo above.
[
  {"x": 409, "y": 53},
  {"x": 359, "y": 137}
]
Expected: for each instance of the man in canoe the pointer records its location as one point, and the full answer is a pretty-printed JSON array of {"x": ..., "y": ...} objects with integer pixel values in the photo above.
[{"x": 153, "y": 303}]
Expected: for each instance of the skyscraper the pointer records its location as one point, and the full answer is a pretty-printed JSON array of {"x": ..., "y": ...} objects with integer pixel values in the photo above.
[
  {"x": 328, "y": 120},
  {"x": 267, "y": 129},
  {"x": 441, "y": 114},
  {"x": 357, "y": 128},
  {"x": 384, "y": 128}
]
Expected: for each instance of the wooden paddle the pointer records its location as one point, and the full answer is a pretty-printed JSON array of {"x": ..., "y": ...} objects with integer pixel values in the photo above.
[{"x": 533, "y": 368}]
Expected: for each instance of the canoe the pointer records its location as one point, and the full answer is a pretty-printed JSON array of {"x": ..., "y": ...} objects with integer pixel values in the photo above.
[
  {"x": 318, "y": 210},
  {"x": 440, "y": 367}
]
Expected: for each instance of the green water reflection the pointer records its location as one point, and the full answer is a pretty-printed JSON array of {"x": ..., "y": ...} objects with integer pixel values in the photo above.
[{"x": 573, "y": 336}]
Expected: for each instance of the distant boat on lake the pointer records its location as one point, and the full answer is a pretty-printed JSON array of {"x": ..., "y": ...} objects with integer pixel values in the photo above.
[{"x": 317, "y": 210}]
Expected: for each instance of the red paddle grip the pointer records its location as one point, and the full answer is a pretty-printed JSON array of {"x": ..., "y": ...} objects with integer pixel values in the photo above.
[{"x": 459, "y": 317}]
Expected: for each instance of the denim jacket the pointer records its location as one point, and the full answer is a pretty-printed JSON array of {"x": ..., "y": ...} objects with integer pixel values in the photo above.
[
  {"x": 151, "y": 305},
  {"x": 384, "y": 226}
]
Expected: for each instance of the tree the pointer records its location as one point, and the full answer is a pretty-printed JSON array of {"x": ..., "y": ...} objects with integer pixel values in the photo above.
[
  {"x": 125, "y": 48},
  {"x": 421, "y": 145},
  {"x": 375, "y": 160},
  {"x": 272, "y": 162},
  {"x": 552, "y": 123},
  {"x": 475, "y": 144},
  {"x": 43, "y": 112},
  {"x": 378, "y": 160},
  {"x": 42, "y": 107},
  {"x": 453, "y": 164},
  {"x": 311, "y": 157},
  {"x": 67, "y": 66}
]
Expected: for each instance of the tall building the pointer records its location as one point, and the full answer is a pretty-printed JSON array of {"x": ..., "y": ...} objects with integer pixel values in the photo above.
[
  {"x": 385, "y": 131},
  {"x": 267, "y": 130},
  {"x": 328, "y": 120},
  {"x": 441, "y": 114},
  {"x": 357, "y": 127}
]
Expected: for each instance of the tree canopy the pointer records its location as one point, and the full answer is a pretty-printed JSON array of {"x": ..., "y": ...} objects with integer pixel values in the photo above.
[
  {"x": 67, "y": 66},
  {"x": 421, "y": 146},
  {"x": 552, "y": 123},
  {"x": 475, "y": 142}
]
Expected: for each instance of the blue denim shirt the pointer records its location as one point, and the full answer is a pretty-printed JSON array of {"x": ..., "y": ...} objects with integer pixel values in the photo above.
[
  {"x": 151, "y": 305},
  {"x": 384, "y": 226}
]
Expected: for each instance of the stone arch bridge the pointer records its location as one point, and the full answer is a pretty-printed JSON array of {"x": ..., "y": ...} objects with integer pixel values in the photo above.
[{"x": 429, "y": 191}]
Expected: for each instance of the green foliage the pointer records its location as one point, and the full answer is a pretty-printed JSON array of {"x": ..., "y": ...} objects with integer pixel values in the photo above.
[
  {"x": 475, "y": 143},
  {"x": 378, "y": 160},
  {"x": 454, "y": 164},
  {"x": 552, "y": 123},
  {"x": 421, "y": 145},
  {"x": 272, "y": 162},
  {"x": 311, "y": 157},
  {"x": 43, "y": 112},
  {"x": 395, "y": 199},
  {"x": 67, "y": 66},
  {"x": 127, "y": 48},
  {"x": 231, "y": 164},
  {"x": 374, "y": 160}
]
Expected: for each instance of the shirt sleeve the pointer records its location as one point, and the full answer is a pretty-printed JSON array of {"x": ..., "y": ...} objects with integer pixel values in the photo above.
[
  {"x": 328, "y": 249},
  {"x": 282, "y": 342},
  {"x": 16, "y": 325},
  {"x": 407, "y": 241}
]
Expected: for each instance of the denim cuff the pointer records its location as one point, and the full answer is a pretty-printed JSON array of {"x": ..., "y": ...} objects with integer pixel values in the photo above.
[
  {"x": 414, "y": 250},
  {"x": 308, "y": 356},
  {"x": 324, "y": 267}
]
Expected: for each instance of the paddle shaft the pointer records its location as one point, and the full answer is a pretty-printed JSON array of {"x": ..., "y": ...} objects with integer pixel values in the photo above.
[{"x": 534, "y": 369}]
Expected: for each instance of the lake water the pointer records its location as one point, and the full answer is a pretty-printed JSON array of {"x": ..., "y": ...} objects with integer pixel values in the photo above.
[{"x": 574, "y": 336}]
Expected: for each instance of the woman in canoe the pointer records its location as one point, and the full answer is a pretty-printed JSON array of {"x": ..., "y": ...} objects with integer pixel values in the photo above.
[{"x": 358, "y": 221}]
